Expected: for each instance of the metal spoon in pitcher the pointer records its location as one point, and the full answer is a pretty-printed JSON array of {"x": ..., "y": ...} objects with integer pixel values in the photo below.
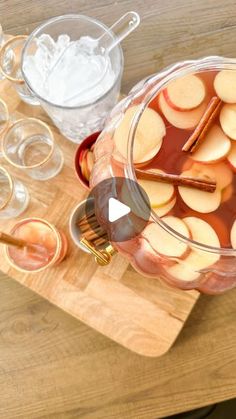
[{"x": 102, "y": 46}]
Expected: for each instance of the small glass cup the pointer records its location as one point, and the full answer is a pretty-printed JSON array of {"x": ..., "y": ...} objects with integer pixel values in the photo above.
[
  {"x": 29, "y": 144},
  {"x": 78, "y": 121},
  {"x": 10, "y": 67},
  {"x": 4, "y": 121},
  {"x": 1, "y": 44},
  {"x": 36, "y": 231},
  {"x": 14, "y": 197}
]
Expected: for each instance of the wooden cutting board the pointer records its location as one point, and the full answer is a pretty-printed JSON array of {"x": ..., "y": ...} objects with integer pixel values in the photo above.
[{"x": 140, "y": 313}]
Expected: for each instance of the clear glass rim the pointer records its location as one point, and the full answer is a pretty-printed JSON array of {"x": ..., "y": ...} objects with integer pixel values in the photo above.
[
  {"x": 61, "y": 18},
  {"x": 161, "y": 79},
  {"x": 24, "y": 121},
  {"x": 10, "y": 183},
  {"x": 3, "y": 103},
  {"x": 2, "y": 52},
  {"x": 57, "y": 250}
]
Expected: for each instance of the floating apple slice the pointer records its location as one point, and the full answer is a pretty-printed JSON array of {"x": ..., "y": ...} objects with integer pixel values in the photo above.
[
  {"x": 184, "y": 120},
  {"x": 152, "y": 153},
  {"x": 165, "y": 209},
  {"x": 203, "y": 233},
  {"x": 215, "y": 146},
  {"x": 185, "y": 93},
  {"x": 233, "y": 235},
  {"x": 228, "y": 120},
  {"x": 198, "y": 200},
  {"x": 149, "y": 134},
  {"x": 232, "y": 156},
  {"x": 227, "y": 193},
  {"x": 220, "y": 172},
  {"x": 163, "y": 242},
  {"x": 225, "y": 85},
  {"x": 159, "y": 193}
]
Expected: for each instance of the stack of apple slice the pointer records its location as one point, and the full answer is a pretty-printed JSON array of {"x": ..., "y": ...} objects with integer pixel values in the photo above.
[
  {"x": 190, "y": 259},
  {"x": 148, "y": 138},
  {"x": 183, "y": 101},
  {"x": 86, "y": 162}
]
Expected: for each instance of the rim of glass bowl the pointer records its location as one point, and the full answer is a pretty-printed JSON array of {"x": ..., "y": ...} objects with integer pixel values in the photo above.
[
  {"x": 161, "y": 80},
  {"x": 68, "y": 17}
]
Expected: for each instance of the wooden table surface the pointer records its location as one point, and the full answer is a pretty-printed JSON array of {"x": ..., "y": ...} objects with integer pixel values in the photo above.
[{"x": 53, "y": 366}]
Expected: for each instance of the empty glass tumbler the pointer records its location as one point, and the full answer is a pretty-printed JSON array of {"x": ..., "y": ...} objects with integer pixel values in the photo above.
[
  {"x": 14, "y": 197},
  {"x": 10, "y": 66},
  {"x": 29, "y": 144},
  {"x": 4, "y": 121}
]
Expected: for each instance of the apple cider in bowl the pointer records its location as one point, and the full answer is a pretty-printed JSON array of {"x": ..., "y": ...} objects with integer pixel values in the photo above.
[{"x": 175, "y": 135}]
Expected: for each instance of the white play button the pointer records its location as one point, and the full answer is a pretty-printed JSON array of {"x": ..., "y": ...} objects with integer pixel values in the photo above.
[{"x": 116, "y": 210}]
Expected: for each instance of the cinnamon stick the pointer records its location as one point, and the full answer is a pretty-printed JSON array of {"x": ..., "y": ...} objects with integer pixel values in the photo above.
[
  {"x": 100, "y": 241},
  {"x": 12, "y": 241},
  {"x": 177, "y": 180},
  {"x": 203, "y": 126}
]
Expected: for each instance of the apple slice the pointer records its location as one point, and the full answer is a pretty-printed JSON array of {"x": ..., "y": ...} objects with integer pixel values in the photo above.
[
  {"x": 149, "y": 134},
  {"x": 185, "y": 120},
  {"x": 203, "y": 233},
  {"x": 198, "y": 200},
  {"x": 84, "y": 166},
  {"x": 233, "y": 235},
  {"x": 185, "y": 93},
  {"x": 220, "y": 172},
  {"x": 81, "y": 156},
  {"x": 148, "y": 157},
  {"x": 232, "y": 156},
  {"x": 90, "y": 161},
  {"x": 225, "y": 85},
  {"x": 159, "y": 193},
  {"x": 228, "y": 120},
  {"x": 163, "y": 242},
  {"x": 227, "y": 193},
  {"x": 215, "y": 146},
  {"x": 165, "y": 209}
]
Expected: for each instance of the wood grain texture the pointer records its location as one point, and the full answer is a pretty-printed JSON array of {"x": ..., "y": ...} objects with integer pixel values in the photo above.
[
  {"x": 52, "y": 366},
  {"x": 113, "y": 300}
]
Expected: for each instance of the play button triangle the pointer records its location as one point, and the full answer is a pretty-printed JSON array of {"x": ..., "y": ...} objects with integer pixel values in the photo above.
[{"x": 117, "y": 209}]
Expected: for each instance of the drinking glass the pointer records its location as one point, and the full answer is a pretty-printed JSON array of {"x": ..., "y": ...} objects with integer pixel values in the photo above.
[
  {"x": 14, "y": 197},
  {"x": 50, "y": 250},
  {"x": 4, "y": 121},
  {"x": 1, "y": 44},
  {"x": 29, "y": 144},
  {"x": 10, "y": 66},
  {"x": 74, "y": 122}
]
